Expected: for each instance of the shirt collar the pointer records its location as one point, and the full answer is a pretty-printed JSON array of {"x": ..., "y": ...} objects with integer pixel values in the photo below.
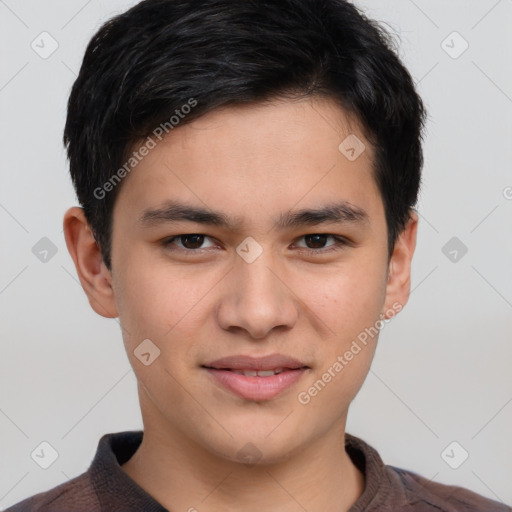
[{"x": 117, "y": 491}]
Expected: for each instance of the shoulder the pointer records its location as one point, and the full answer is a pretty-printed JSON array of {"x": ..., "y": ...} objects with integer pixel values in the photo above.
[
  {"x": 75, "y": 495},
  {"x": 440, "y": 497}
]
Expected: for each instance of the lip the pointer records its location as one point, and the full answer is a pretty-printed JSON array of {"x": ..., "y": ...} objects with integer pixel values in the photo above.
[
  {"x": 256, "y": 388},
  {"x": 246, "y": 362}
]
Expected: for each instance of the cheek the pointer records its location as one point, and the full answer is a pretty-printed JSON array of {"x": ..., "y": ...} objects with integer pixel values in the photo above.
[
  {"x": 151, "y": 304},
  {"x": 349, "y": 305},
  {"x": 348, "y": 299},
  {"x": 158, "y": 303}
]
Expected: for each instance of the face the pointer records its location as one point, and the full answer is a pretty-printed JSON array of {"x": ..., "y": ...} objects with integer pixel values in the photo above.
[{"x": 255, "y": 276}]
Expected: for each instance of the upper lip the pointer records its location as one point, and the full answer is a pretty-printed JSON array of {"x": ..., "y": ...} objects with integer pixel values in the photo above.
[{"x": 245, "y": 362}]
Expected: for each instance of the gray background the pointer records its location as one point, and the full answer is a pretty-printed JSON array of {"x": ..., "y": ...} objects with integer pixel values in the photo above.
[{"x": 442, "y": 369}]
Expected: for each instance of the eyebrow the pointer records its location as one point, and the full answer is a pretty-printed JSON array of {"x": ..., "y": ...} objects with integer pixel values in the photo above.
[{"x": 336, "y": 213}]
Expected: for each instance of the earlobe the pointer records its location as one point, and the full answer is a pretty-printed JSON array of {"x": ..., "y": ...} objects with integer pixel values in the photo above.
[
  {"x": 95, "y": 278},
  {"x": 399, "y": 269}
]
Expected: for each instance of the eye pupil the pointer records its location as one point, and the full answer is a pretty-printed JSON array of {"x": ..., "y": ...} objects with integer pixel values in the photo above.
[
  {"x": 314, "y": 241},
  {"x": 194, "y": 240},
  {"x": 318, "y": 240}
]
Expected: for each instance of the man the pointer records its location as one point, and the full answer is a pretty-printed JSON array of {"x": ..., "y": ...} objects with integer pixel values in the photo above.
[{"x": 247, "y": 174}]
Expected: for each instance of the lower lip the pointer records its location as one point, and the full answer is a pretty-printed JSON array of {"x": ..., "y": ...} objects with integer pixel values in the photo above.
[{"x": 257, "y": 388}]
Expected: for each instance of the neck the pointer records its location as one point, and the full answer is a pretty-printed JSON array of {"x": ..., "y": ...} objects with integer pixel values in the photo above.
[{"x": 181, "y": 475}]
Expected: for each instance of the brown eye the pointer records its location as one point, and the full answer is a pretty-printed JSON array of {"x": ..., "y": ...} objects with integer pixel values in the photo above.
[
  {"x": 188, "y": 241},
  {"x": 315, "y": 241},
  {"x": 192, "y": 241}
]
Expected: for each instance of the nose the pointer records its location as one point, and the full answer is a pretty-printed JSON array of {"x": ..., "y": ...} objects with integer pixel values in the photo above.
[{"x": 257, "y": 299}]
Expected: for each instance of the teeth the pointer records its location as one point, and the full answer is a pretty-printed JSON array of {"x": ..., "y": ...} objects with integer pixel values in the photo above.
[
  {"x": 267, "y": 373},
  {"x": 259, "y": 373},
  {"x": 248, "y": 373}
]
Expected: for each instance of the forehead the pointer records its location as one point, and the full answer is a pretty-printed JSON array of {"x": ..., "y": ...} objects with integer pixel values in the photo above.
[{"x": 256, "y": 161}]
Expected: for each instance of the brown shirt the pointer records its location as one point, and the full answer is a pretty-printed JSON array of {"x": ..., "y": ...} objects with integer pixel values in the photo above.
[{"x": 106, "y": 487}]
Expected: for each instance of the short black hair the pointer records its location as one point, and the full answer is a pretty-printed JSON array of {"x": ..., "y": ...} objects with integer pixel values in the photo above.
[{"x": 143, "y": 67}]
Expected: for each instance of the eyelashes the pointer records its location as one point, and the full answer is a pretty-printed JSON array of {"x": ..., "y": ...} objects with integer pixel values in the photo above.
[{"x": 197, "y": 239}]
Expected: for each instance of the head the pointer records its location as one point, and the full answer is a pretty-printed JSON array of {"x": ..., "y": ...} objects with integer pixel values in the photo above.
[{"x": 289, "y": 135}]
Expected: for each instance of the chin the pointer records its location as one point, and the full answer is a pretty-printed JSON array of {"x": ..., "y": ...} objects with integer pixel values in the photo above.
[{"x": 256, "y": 448}]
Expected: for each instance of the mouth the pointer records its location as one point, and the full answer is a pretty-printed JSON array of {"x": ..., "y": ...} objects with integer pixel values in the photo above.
[
  {"x": 246, "y": 363},
  {"x": 256, "y": 379},
  {"x": 257, "y": 373}
]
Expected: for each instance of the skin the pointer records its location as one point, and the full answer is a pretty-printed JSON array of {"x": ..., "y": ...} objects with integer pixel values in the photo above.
[{"x": 254, "y": 163}]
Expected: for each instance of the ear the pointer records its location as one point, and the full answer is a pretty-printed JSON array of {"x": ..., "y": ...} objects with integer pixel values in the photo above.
[
  {"x": 94, "y": 276},
  {"x": 399, "y": 271}
]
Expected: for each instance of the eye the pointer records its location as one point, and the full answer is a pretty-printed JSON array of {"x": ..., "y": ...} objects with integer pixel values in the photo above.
[
  {"x": 315, "y": 243},
  {"x": 189, "y": 241}
]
